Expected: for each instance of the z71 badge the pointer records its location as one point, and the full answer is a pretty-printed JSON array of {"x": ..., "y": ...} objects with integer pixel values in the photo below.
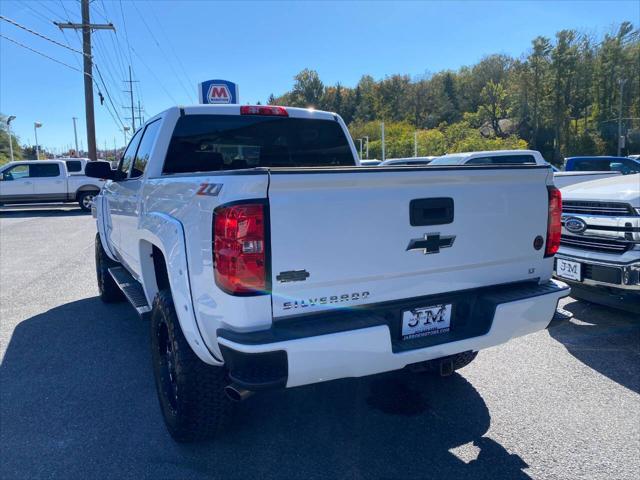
[
  {"x": 209, "y": 189},
  {"x": 330, "y": 300}
]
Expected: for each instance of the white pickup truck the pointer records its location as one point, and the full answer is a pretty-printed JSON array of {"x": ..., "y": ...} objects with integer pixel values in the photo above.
[
  {"x": 45, "y": 181},
  {"x": 600, "y": 245},
  {"x": 268, "y": 258}
]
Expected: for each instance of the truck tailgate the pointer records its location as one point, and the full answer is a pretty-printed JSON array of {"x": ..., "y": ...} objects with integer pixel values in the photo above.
[{"x": 341, "y": 238}]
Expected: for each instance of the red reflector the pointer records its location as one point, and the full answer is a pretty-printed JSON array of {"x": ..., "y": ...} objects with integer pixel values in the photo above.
[
  {"x": 239, "y": 248},
  {"x": 264, "y": 110},
  {"x": 554, "y": 225}
]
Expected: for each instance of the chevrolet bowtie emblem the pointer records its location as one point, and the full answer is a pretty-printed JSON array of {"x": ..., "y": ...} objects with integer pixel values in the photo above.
[{"x": 431, "y": 243}]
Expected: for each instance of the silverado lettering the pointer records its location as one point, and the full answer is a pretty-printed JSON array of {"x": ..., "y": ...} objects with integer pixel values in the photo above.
[{"x": 312, "y": 302}]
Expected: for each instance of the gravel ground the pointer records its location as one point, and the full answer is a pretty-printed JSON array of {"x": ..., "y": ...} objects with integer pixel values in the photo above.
[{"x": 77, "y": 398}]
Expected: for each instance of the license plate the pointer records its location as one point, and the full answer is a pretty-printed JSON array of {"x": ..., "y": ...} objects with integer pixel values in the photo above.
[
  {"x": 423, "y": 321},
  {"x": 568, "y": 269}
]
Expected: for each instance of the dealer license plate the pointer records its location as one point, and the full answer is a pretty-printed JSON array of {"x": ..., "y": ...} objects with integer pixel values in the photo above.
[
  {"x": 423, "y": 321},
  {"x": 568, "y": 269}
]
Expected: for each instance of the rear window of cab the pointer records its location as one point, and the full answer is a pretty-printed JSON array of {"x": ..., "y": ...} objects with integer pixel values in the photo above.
[{"x": 204, "y": 143}]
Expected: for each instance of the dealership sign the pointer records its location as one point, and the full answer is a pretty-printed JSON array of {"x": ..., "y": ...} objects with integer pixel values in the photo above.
[{"x": 218, "y": 92}]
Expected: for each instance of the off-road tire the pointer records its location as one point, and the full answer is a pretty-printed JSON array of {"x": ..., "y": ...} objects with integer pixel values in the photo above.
[
  {"x": 191, "y": 393},
  {"x": 107, "y": 287},
  {"x": 83, "y": 200}
]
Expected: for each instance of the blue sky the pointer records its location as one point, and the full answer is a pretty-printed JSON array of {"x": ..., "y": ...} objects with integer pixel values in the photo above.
[{"x": 260, "y": 45}]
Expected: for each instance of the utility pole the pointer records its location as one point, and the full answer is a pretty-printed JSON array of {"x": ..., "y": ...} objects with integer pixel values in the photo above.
[
  {"x": 130, "y": 92},
  {"x": 367, "y": 149},
  {"x": 415, "y": 143},
  {"x": 360, "y": 140},
  {"x": 75, "y": 133},
  {"x": 87, "y": 28},
  {"x": 140, "y": 117},
  {"x": 621, "y": 82}
]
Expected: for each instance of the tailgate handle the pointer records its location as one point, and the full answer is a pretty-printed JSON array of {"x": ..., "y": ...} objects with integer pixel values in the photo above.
[{"x": 431, "y": 211}]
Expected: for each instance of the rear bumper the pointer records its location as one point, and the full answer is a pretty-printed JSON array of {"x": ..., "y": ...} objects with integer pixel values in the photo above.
[
  {"x": 342, "y": 344},
  {"x": 600, "y": 272}
]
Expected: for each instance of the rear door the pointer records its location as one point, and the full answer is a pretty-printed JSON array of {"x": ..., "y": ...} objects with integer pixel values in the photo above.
[
  {"x": 129, "y": 197},
  {"x": 344, "y": 238},
  {"x": 49, "y": 181}
]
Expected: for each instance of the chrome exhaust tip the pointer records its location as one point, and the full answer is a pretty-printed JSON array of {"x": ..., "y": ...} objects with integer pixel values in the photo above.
[{"x": 235, "y": 393}]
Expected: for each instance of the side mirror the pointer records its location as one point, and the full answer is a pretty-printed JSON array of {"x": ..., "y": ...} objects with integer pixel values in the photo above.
[{"x": 100, "y": 169}]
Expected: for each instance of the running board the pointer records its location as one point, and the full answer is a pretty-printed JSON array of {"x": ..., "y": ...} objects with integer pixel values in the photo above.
[{"x": 132, "y": 289}]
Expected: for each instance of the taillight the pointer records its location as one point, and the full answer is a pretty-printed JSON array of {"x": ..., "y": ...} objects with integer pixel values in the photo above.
[
  {"x": 554, "y": 225},
  {"x": 269, "y": 110},
  {"x": 239, "y": 248}
]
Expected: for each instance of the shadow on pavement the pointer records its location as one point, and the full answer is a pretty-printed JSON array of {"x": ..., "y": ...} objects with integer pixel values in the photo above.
[
  {"x": 605, "y": 339},
  {"x": 54, "y": 210},
  {"x": 78, "y": 401}
]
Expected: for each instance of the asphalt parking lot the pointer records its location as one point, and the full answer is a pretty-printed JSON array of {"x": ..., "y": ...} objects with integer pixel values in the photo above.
[{"x": 77, "y": 398}]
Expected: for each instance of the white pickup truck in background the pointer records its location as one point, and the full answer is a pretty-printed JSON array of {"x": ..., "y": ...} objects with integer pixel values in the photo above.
[
  {"x": 600, "y": 245},
  {"x": 46, "y": 181},
  {"x": 266, "y": 257}
]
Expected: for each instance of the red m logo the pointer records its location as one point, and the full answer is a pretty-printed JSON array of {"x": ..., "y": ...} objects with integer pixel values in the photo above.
[{"x": 219, "y": 92}]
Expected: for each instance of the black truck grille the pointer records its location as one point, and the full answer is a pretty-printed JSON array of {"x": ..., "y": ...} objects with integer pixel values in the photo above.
[
  {"x": 612, "y": 209},
  {"x": 596, "y": 244}
]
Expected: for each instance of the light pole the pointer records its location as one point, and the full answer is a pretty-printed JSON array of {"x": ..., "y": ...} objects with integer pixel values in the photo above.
[
  {"x": 382, "y": 129},
  {"x": 360, "y": 140},
  {"x": 36, "y": 126},
  {"x": 10, "y": 119},
  {"x": 75, "y": 133},
  {"x": 621, "y": 82},
  {"x": 367, "y": 149}
]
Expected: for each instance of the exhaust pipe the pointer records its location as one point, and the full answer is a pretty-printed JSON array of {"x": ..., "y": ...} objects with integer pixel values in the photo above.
[{"x": 236, "y": 393}]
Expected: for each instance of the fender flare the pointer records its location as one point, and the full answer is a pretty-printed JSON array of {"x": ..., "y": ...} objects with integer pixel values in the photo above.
[{"x": 167, "y": 234}]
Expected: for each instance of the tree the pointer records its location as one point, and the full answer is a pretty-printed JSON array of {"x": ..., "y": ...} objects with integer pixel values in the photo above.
[
  {"x": 308, "y": 89},
  {"x": 494, "y": 105}
]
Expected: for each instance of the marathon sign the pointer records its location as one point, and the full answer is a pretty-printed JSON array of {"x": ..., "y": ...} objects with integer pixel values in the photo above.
[{"x": 218, "y": 92}]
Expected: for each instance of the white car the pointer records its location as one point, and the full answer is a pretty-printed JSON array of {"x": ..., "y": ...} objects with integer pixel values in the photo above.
[
  {"x": 267, "y": 258},
  {"x": 493, "y": 157},
  {"x": 409, "y": 161},
  {"x": 45, "y": 181}
]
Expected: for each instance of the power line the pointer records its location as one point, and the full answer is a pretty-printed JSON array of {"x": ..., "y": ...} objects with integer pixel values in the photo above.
[
  {"x": 126, "y": 34},
  {"x": 163, "y": 52},
  {"x": 44, "y": 55},
  {"x": 108, "y": 95},
  {"x": 12, "y": 22},
  {"x": 177, "y": 57},
  {"x": 156, "y": 77},
  {"x": 68, "y": 66}
]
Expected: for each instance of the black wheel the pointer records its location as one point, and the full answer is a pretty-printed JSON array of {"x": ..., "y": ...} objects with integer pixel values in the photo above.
[
  {"x": 109, "y": 290},
  {"x": 85, "y": 200},
  {"x": 191, "y": 393}
]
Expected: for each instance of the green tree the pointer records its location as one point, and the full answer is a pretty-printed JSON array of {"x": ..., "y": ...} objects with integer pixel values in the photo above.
[{"x": 308, "y": 89}]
